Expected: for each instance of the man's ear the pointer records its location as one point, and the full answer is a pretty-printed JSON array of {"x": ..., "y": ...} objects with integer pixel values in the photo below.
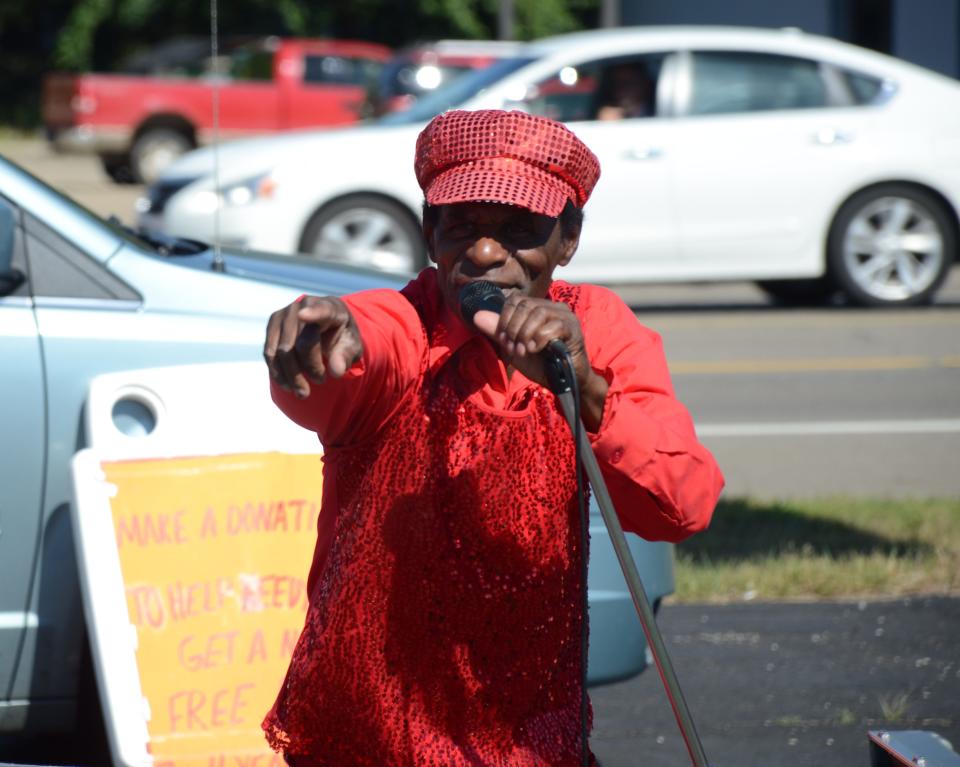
[
  {"x": 428, "y": 240},
  {"x": 428, "y": 225},
  {"x": 568, "y": 247}
]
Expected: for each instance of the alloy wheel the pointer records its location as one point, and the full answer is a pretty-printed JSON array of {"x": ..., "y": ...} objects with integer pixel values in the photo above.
[
  {"x": 366, "y": 237},
  {"x": 893, "y": 249}
]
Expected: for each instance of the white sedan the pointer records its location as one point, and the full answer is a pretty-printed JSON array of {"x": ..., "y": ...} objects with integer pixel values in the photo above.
[{"x": 805, "y": 164}]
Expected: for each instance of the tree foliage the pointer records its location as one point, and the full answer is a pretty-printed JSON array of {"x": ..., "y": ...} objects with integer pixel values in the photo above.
[
  {"x": 97, "y": 35},
  {"x": 98, "y": 30}
]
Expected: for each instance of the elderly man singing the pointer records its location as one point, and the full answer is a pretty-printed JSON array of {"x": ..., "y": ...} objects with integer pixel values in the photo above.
[{"x": 446, "y": 594}]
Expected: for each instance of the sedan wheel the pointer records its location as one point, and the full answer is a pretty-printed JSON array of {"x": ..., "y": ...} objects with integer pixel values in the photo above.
[
  {"x": 365, "y": 231},
  {"x": 891, "y": 246}
]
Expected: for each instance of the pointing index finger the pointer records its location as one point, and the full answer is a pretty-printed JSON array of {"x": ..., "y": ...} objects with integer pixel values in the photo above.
[{"x": 322, "y": 313}]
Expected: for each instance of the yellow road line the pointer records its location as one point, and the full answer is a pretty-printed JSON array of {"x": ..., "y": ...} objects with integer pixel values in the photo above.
[
  {"x": 840, "y": 320},
  {"x": 812, "y": 365}
]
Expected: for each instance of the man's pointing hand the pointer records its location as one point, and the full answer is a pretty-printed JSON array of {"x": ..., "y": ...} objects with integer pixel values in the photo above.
[{"x": 312, "y": 338}]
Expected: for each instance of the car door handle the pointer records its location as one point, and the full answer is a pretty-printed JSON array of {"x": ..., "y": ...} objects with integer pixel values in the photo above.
[
  {"x": 643, "y": 153},
  {"x": 832, "y": 136}
]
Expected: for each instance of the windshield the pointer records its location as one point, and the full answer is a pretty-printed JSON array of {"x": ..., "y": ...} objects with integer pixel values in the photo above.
[
  {"x": 112, "y": 223},
  {"x": 456, "y": 93}
]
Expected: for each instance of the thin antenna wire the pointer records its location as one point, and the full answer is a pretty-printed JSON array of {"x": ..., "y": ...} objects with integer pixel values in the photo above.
[{"x": 218, "y": 265}]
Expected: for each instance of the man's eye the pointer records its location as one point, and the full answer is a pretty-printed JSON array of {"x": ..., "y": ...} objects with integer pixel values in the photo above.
[
  {"x": 459, "y": 230},
  {"x": 521, "y": 233}
]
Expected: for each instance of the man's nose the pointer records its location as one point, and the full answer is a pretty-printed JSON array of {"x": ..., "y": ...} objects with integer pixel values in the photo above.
[{"x": 487, "y": 252}]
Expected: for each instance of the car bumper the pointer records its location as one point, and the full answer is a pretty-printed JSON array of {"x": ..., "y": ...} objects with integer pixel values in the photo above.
[
  {"x": 86, "y": 139},
  {"x": 193, "y": 214}
]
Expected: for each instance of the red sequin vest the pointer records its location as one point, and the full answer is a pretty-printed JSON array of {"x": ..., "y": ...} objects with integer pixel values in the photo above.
[{"x": 445, "y": 629}]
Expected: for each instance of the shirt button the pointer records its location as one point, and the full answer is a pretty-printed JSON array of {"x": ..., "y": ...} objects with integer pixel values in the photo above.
[{"x": 617, "y": 455}]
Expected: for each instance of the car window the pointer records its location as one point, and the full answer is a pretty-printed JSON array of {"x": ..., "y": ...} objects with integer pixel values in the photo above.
[
  {"x": 864, "y": 88},
  {"x": 59, "y": 269},
  {"x": 251, "y": 64},
  {"x": 610, "y": 89},
  {"x": 456, "y": 93},
  {"x": 76, "y": 209},
  {"x": 725, "y": 82},
  {"x": 417, "y": 78},
  {"x": 13, "y": 280},
  {"x": 339, "y": 70},
  {"x": 181, "y": 56}
]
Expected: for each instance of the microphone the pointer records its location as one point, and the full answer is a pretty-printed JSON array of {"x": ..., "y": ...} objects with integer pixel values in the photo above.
[{"x": 483, "y": 295}]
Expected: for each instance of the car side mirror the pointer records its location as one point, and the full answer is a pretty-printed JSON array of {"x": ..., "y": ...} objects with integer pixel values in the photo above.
[{"x": 10, "y": 278}]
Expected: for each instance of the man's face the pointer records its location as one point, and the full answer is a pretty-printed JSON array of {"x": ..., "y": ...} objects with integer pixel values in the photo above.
[{"x": 507, "y": 245}]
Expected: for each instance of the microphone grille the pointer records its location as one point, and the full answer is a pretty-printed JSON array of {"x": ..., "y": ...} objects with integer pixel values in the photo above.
[{"x": 480, "y": 295}]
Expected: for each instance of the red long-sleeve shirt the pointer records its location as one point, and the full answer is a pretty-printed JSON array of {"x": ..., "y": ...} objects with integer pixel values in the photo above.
[{"x": 663, "y": 482}]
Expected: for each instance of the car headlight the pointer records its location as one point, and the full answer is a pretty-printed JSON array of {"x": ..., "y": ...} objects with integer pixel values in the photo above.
[
  {"x": 236, "y": 194},
  {"x": 244, "y": 192}
]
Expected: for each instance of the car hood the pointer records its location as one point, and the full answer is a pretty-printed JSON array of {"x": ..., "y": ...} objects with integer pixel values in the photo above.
[
  {"x": 236, "y": 160},
  {"x": 302, "y": 273},
  {"x": 246, "y": 285}
]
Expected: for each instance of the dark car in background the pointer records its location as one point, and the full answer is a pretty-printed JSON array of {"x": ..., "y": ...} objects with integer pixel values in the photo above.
[{"x": 423, "y": 68}]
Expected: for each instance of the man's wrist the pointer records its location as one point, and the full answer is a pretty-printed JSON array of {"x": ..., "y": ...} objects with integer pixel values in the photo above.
[{"x": 593, "y": 398}]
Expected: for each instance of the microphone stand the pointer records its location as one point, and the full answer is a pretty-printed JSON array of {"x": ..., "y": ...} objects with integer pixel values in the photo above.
[{"x": 560, "y": 374}]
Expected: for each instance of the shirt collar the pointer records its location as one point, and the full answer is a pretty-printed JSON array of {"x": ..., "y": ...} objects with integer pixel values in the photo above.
[{"x": 450, "y": 333}]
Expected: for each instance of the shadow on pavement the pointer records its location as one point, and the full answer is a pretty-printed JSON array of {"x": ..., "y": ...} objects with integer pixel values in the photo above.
[{"x": 744, "y": 529}]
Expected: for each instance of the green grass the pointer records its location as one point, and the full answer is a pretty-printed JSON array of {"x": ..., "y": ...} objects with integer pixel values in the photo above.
[
  {"x": 894, "y": 707},
  {"x": 830, "y": 548},
  {"x": 845, "y": 717}
]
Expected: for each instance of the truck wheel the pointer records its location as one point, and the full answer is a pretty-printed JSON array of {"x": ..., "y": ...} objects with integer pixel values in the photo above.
[
  {"x": 366, "y": 231},
  {"x": 891, "y": 245},
  {"x": 117, "y": 167},
  {"x": 153, "y": 150}
]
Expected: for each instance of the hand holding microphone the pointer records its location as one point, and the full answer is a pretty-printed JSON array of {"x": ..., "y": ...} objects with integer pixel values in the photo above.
[{"x": 525, "y": 329}]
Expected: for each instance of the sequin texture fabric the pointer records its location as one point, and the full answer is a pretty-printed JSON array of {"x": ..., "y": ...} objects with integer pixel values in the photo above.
[
  {"x": 445, "y": 630},
  {"x": 509, "y": 157}
]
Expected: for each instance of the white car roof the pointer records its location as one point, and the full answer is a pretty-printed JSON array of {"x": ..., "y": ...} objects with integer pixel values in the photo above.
[
  {"x": 684, "y": 37},
  {"x": 788, "y": 40}
]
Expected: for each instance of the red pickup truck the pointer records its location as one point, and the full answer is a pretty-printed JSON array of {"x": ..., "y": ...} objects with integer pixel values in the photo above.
[{"x": 138, "y": 123}]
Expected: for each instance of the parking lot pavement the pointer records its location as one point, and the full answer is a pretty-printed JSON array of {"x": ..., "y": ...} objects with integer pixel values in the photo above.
[
  {"x": 789, "y": 684},
  {"x": 777, "y": 685}
]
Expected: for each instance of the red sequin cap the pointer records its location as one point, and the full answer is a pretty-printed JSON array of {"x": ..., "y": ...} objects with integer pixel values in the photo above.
[{"x": 509, "y": 157}]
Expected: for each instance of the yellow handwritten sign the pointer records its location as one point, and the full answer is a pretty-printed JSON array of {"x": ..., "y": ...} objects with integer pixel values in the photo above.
[{"x": 214, "y": 552}]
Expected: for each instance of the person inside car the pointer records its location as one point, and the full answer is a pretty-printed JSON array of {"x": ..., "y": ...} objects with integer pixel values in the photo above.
[{"x": 626, "y": 91}]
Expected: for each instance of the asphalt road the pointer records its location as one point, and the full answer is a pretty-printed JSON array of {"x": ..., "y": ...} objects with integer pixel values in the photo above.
[
  {"x": 831, "y": 401},
  {"x": 789, "y": 685},
  {"x": 768, "y": 685},
  {"x": 794, "y": 403}
]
